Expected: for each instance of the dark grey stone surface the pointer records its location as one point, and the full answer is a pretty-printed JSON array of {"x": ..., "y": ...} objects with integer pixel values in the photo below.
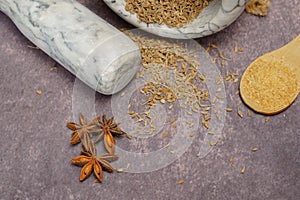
[{"x": 35, "y": 154}]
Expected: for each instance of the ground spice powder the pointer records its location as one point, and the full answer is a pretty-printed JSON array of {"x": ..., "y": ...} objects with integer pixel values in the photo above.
[{"x": 270, "y": 85}]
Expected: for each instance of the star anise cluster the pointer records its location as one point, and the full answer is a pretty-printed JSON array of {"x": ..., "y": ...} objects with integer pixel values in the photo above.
[{"x": 89, "y": 133}]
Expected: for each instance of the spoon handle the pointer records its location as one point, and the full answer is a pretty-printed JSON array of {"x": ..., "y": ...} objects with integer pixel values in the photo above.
[
  {"x": 85, "y": 44},
  {"x": 291, "y": 53}
]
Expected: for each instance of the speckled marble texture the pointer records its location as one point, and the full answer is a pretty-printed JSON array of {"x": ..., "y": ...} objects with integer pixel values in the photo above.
[
  {"x": 35, "y": 154},
  {"x": 77, "y": 39}
]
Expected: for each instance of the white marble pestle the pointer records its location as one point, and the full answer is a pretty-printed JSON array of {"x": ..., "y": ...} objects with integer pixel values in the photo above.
[{"x": 86, "y": 45}]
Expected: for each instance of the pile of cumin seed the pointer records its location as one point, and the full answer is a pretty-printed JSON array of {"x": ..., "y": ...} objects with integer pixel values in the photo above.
[
  {"x": 173, "y": 13},
  {"x": 158, "y": 55},
  {"x": 170, "y": 73}
]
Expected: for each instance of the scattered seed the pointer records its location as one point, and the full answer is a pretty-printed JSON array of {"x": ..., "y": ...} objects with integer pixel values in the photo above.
[
  {"x": 147, "y": 113},
  {"x": 195, "y": 109},
  {"x": 189, "y": 112},
  {"x": 131, "y": 112},
  {"x": 211, "y": 133},
  {"x": 254, "y": 149},
  {"x": 236, "y": 49},
  {"x": 217, "y": 112},
  {"x": 204, "y": 112},
  {"x": 181, "y": 61},
  {"x": 229, "y": 109},
  {"x": 219, "y": 79},
  {"x": 140, "y": 120},
  {"x": 213, "y": 143},
  {"x": 128, "y": 136},
  {"x": 219, "y": 97},
  {"x": 181, "y": 181},
  {"x": 128, "y": 165},
  {"x": 165, "y": 134},
  {"x": 240, "y": 113},
  {"x": 267, "y": 119},
  {"x": 205, "y": 124},
  {"x": 150, "y": 131},
  {"x": 172, "y": 120},
  {"x": 192, "y": 134},
  {"x": 207, "y": 108},
  {"x": 223, "y": 63},
  {"x": 243, "y": 170},
  {"x": 191, "y": 124},
  {"x": 163, "y": 101},
  {"x": 222, "y": 56},
  {"x": 39, "y": 92},
  {"x": 213, "y": 100},
  {"x": 214, "y": 46},
  {"x": 33, "y": 47},
  {"x": 248, "y": 113},
  {"x": 122, "y": 94},
  {"x": 53, "y": 69},
  {"x": 120, "y": 170},
  {"x": 231, "y": 160},
  {"x": 208, "y": 49},
  {"x": 207, "y": 118}
]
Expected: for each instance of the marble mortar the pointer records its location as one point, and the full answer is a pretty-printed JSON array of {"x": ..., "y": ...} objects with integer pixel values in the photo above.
[{"x": 215, "y": 17}]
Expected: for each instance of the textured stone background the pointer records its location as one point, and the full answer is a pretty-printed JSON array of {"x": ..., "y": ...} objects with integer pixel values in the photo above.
[{"x": 35, "y": 155}]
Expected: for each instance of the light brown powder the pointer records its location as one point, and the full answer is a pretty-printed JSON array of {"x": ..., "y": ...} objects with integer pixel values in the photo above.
[{"x": 269, "y": 86}]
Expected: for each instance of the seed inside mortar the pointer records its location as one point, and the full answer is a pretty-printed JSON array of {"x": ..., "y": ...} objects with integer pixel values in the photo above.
[{"x": 173, "y": 13}]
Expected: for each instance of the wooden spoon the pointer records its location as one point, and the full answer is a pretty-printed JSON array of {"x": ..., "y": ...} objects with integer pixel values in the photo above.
[{"x": 271, "y": 83}]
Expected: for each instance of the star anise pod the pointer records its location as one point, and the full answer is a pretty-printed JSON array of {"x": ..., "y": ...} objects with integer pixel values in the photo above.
[
  {"x": 82, "y": 132},
  {"x": 108, "y": 130},
  {"x": 91, "y": 162}
]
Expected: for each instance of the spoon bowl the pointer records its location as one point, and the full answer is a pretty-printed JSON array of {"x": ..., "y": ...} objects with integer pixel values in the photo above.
[{"x": 272, "y": 82}]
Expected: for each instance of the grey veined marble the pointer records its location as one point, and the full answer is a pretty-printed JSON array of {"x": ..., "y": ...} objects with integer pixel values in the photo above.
[{"x": 93, "y": 50}]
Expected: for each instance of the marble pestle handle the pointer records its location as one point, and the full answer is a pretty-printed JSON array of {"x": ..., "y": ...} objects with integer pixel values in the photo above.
[{"x": 97, "y": 53}]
